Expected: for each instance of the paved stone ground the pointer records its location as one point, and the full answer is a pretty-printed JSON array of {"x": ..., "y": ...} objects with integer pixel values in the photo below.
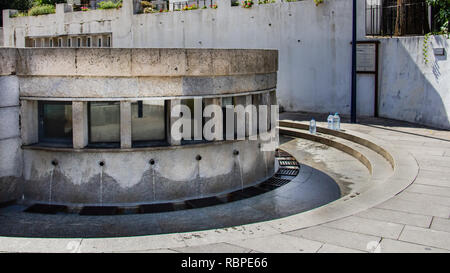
[{"x": 416, "y": 220}]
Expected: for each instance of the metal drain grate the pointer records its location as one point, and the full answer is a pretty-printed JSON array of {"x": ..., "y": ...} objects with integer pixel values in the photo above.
[
  {"x": 278, "y": 182},
  {"x": 99, "y": 210},
  {"x": 288, "y": 162},
  {"x": 288, "y": 171},
  {"x": 203, "y": 202},
  {"x": 46, "y": 209},
  {"x": 155, "y": 208},
  {"x": 247, "y": 192}
]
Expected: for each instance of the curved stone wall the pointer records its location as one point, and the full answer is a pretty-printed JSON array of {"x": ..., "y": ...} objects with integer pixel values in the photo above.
[{"x": 73, "y": 175}]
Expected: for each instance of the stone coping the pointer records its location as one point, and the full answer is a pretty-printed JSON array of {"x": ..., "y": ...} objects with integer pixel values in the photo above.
[
  {"x": 127, "y": 62},
  {"x": 405, "y": 172}
]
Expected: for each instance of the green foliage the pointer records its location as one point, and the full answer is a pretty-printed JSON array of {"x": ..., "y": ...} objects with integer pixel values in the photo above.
[
  {"x": 48, "y": 2},
  {"x": 261, "y": 2},
  {"x": 443, "y": 15},
  {"x": 247, "y": 4},
  {"x": 109, "y": 5},
  {"x": 318, "y": 2},
  {"x": 426, "y": 41},
  {"x": 146, "y": 4},
  {"x": 41, "y": 10}
]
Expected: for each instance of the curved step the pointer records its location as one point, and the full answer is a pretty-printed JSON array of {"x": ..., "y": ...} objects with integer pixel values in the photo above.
[{"x": 378, "y": 167}]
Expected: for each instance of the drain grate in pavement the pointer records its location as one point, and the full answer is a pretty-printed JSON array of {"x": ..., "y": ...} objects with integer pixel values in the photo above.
[
  {"x": 155, "y": 208},
  {"x": 249, "y": 192},
  {"x": 278, "y": 182},
  {"x": 99, "y": 210},
  {"x": 203, "y": 202},
  {"x": 288, "y": 171},
  {"x": 46, "y": 209},
  {"x": 290, "y": 162}
]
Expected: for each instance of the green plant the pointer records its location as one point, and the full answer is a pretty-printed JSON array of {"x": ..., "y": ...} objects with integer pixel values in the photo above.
[
  {"x": 41, "y": 10},
  {"x": 426, "y": 42},
  {"x": 247, "y": 4},
  {"x": 318, "y": 2},
  {"x": 19, "y": 14},
  {"x": 146, "y": 4},
  {"x": 443, "y": 14},
  {"x": 261, "y": 2},
  {"x": 109, "y": 5},
  {"x": 191, "y": 7},
  {"x": 234, "y": 3},
  {"x": 48, "y": 2}
]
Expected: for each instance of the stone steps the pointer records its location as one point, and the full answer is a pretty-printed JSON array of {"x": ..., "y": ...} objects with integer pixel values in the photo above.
[{"x": 374, "y": 157}]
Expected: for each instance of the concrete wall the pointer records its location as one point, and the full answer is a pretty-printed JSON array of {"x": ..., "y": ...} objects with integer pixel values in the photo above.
[
  {"x": 313, "y": 43},
  {"x": 411, "y": 89},
  {"x": 10, "y": 141}
]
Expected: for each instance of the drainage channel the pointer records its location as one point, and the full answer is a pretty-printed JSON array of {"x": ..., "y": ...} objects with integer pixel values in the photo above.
[{"x": 288, "y": 170}]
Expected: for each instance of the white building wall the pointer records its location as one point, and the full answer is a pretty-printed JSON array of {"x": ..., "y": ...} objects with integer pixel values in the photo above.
[{"x": 313, "y": 43}]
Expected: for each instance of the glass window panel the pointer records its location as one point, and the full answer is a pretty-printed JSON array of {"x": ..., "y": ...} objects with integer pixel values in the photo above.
[
  {"x": 55, "y": 122},
  {"x": 104, "y": 122},
  {"x": 149, "y": 122}
]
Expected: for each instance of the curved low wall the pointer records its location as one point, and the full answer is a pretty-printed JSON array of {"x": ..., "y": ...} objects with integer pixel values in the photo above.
[
  {"x": 71, "y": 173},
  {"x": 128, "y": 176}
]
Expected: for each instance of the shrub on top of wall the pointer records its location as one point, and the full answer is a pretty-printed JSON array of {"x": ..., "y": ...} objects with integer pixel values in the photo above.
[
  {"x": 109, "y": 5},
  {"x": 41, "y": 10}
]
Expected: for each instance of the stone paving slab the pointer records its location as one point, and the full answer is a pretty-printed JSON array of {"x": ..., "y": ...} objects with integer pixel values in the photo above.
[
  {"x": 280, "y": 243},
  {"x": 336, "y": 236},
  {"x": 398, "y": 217},
  {"x": 441, "y": 224},
  {"x": 329, "y": 248},
  {"x": 415, "y": 207},
  {"x": 428, "y": 189},
  {"x": 367, "y": 226},
  {"x": 428, "y": 237},
  {"x": 214, "y": 248},
  {"x": 394, "y": 246}
]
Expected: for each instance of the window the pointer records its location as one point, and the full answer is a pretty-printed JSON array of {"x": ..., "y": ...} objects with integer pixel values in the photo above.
[
  {"x": 190, "y": 104},
  {"x": 104, "y": 124},
  {"x": 78, "y": 42},
  {"x": 69, "y": 42},
  {"x": 108, "y": 42},
  {"x": 148, "y": 122},
  {"x": 99, "y": 42},
  {"x": 51, "y": 43},
  {"x": 59, "y": 42},
  {"x": 88, "y": 42},
  {"x": 55, "y": 122}
]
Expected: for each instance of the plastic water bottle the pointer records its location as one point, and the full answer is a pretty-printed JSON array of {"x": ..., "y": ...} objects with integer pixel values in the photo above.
[
  {"x": 330, "y": 121},
  {"x": 337, "y": 122},
  {"x": 312, "y": 126}
]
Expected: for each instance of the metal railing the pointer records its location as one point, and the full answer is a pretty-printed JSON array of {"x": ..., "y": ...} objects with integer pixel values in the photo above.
[{"x": 387, "y": 18}]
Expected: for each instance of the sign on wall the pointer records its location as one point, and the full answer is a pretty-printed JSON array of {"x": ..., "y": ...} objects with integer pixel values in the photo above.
[{"x": 366, "y": 57}]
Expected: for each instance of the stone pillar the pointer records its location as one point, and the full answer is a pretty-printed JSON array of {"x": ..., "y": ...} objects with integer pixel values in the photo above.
[
  {"x": 216, "y": 101},
  {"x": 80, "y": 124},
  {"x": 125, "y": 124},
  {"x": 29, "y": 122},
  {"x": 198, "y": 119},
  {"x": 171, "y": 104}
]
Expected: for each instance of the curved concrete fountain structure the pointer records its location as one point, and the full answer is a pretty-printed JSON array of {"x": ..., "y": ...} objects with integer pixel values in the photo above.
[{"x": 126, "y": 174}]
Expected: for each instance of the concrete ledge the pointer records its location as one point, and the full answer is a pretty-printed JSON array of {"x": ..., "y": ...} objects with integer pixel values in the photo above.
[{"x": 138, "y": 62}]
